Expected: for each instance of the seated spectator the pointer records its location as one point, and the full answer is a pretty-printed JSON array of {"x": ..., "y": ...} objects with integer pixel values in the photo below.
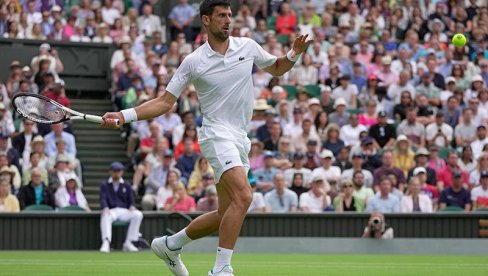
[
  {"x": 428, "y": 89},
  {"x": 38, "y": 146},
  {"x": 360, "y": 190},
  {"x": 342, "y": 160},
  {"x": 117, "y": 202},
  {"x": 340, "y": 116},
  {"x": 316, "y": 199},
  {"x": 350, "y": 133},
  {"x": 333, "y": 141},
  {"x": 264, "y": 176},
  {"x": 329, "y": 173},
  {"x": 479, "y": 194},
  {"x": 180, "y": 201},
  {"x": 271, "y": 143},
  {"x": 8, "y": 202},
  {"x": 71, "y": 195},
  {"x": 383, "y": 133},
  {"x": 186, "y": 162},
  {"x": 181, "y": 18},
  {"x": 167, "y": 190},
  {"x": 465, "y": 131},
  {"x": 346, "y": 91},
  {"x": 403, "y": 155},
  {"x": 284, "y": 154},
  {"x": 481, "y": 165},
  {"x": 298, "y": 184},
  {"x": 466, "y": 161},
  {"x": 480, "y": 141},
  {"x": 36, "y": 192},
  {"x": 439, "y": 133},
  {"x": 191, "y": 132},
  {"x": 7, "y": 150},
  {"x": 455, "y": 195},
  {"x": 415, "y": 201},
  {"x": 56, "y": 92},
  {"x": 422, "y": 160},
  {"x": 400, "y": 110},
  {"x": 210, "y": 202},
  {"x": 281, "y": 199},
  {"x": 384, "y": 201},
  {"x": 389, "y": 168},
  {"x": 10, "y": 172},
  {"x": 299, "y": 140},
  {"x": 414, "y": 130},
  {"x": 57, "y": 131},
  {"x": 369, "y": 117},
  {"x": 256, "y": 157},
  {"x": 298, "y": 168},
  {"x": 34, "y": 163},
  {"x": 73, "y": 163},
  {"x": 156, "y": 179},
  {"x": 6, "y": 123},
  {"x": 22, "y": 141},
  {"x": 346, "y": 201},
  {"x": 208, "y": 179},
  {"x": 377, "y": 228},
  {"x": 312, "y": 157},
  {"x": 357, "y": 165},
  {"x": 372, "y": 158},
  {"x": 201, "y": 168},
  {"x": 425, "y": 112},
  {"x": 161, "y": 149},
  {"x": 444, "y": 177},
  {"x": 61, "y": 173}
]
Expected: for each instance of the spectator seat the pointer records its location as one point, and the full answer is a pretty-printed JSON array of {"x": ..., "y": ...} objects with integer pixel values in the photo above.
[
  {"x": 38, "y": 208},
  {"x": 291, "y": 90},
  {"x": 451, "y": 209},
  {"x": 271, "y": 22},
  {"x": 72, "y": 208},
  {"x": 313, "y": 90}
]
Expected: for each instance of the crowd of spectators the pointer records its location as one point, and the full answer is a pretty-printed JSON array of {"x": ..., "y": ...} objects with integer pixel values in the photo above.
[{"x": 381, "y": 114}]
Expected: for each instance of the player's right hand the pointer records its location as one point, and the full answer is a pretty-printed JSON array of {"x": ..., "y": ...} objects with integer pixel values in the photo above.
[{"x": 109, "y": 120}]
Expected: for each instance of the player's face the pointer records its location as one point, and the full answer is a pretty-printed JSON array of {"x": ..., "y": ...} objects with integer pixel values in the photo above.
[{"x": 218, "y": 24}]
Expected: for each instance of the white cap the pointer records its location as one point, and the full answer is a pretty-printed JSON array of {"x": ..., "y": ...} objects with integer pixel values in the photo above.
[
  {"x": 450, "y": 79},
  {"x": 45, "y": 46},
  {"x": 56, "y": 8},
  {"x": 125, "y": 39},
  {"x": 313, "y": 101},
  {"x": 277, "y": 89},
  {"x": 386, "y": 60},
  {"x": 340, "y": 101},
  {"x": 325, "y": 88},
  {"x": 418, "y": 170},
  {"x": 326, "y": 154},
  {"x": 477, "y": 78},
  {"x": 402, "y": 137}
]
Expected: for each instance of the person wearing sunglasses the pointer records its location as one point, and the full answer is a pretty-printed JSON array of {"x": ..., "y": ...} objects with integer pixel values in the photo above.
[{"x": 345, "y": 201}]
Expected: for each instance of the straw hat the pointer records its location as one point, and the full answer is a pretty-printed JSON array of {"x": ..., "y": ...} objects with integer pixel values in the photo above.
[{"x": 261, "y": 105}]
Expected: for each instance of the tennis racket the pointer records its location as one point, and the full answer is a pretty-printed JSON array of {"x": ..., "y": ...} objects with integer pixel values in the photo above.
[{"x": 41, "y": 109}]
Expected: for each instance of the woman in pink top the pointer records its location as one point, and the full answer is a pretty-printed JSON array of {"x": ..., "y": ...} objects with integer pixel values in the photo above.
[
  {"x": 69, "y": 29},
  {"x": 117, "y": 31},
  {"x": 369, "y": 117},
  {"x": 286, "y": 21},
  {"x": 435, "y": 163},
  {"x": 256, "y": 158},
  {"x": 180, "y": 201}
]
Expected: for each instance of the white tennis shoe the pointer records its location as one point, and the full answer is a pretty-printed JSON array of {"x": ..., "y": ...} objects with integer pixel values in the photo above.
[
  {"x": 171, "y": 258},
  {"x": 225, "y": 271}
]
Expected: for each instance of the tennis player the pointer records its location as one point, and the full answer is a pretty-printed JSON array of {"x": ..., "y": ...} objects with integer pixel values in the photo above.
[{"x": 221, "y": 71}]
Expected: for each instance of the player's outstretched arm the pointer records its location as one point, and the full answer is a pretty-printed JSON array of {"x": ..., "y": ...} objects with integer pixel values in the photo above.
[
  {"x": 285, "y": 63},
  {"x": 151, "y": 109}
]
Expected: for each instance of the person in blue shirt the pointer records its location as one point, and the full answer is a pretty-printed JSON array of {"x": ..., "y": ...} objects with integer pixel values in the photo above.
[
  {"x": 455, "y": 195},
  {"x": 117, "y": 202},
  {"x": 281, "y": 199},
  {"x": 385, "y": 201},
  {"x": 264, "y": 176},
  {"x": 186, "y": 162}
]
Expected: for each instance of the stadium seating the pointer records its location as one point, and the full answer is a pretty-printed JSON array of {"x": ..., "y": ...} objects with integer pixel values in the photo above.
[{"x": 38, "y": 208}]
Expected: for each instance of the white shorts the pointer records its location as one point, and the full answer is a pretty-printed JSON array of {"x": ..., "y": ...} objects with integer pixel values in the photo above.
[{"x": 224, "y": 154}]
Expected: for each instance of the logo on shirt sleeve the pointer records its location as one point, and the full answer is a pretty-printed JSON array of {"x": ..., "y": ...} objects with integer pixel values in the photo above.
[{"x": 241, "y": 58}]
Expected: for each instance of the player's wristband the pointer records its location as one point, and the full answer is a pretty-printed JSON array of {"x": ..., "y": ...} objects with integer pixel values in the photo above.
[
  {"x": 130, "y": 115},
  {"x": 290, "y": 58}
]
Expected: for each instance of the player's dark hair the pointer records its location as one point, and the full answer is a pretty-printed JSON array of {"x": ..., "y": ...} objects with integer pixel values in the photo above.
[{"x": 207, "y": 6}]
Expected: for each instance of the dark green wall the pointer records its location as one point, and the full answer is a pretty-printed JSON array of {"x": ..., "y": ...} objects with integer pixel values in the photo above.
[{"x": 81, "y": 231}]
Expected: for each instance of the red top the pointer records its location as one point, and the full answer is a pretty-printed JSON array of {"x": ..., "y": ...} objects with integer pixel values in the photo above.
[
  {"x": 445, "y": 175},
  {"x": 63, "y": 100},
  {"x": 179, "y": 149},
  {"x": 184, "y": 205},
  {"x": 285, "y": 24}
]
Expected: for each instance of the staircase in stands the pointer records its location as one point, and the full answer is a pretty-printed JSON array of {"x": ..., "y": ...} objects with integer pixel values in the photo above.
[{"x": 97, "y": 148}]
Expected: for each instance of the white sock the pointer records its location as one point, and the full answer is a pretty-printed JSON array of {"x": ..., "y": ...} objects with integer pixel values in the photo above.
[
  {"x": 178, "y": 240},
  {"x": 223, "y": 258}
]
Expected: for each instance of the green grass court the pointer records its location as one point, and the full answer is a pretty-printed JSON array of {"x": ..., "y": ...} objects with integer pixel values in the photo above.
[{"x": 117, "y": 263}]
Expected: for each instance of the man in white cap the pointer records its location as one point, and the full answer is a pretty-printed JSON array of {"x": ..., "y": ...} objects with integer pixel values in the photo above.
[
  {"x": 316, "y": 199},
  {"x": 340, "y": 116},
  {"x": 327, "y": 172}
]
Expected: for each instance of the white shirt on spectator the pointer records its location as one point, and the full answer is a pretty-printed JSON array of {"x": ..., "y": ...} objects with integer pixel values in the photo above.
[
  {"x": 168, "y": 123},
  {"x": 161, "y": 197},
  {"x": 432, "y": 130},
  {"x": 345, "y": 93},
  {"x": 35, "y": 17},
  {"x": 395, "y": 92},
  {"x": 62, "y": 198},
  {"x": 333, "y": 172},
  {"x": 478, "y": 192},
  {"x": 110, "y": 14},
  {"x": 350, "y": 134},
  {"x": 307, "y": 176},
  {"x": 105, "y": 39},
  {"x": 425, "y": 204},
  {"x": 477, "y": 147},
  {"x": 313, "y": 203},
  {"x": 257, "y": 202}
]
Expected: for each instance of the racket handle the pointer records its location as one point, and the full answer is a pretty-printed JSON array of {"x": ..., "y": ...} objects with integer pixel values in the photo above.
[{"x": 97, "y": 119}]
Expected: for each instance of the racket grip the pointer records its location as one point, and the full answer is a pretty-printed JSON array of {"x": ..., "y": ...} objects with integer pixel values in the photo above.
[{"x": 97, "y": 119}]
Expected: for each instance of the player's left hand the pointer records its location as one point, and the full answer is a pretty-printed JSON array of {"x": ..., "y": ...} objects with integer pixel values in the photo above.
[{"x": 301, "y": 44}]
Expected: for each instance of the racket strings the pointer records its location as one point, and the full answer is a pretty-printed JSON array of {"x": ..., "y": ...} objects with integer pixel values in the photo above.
[{"x": 39, "y": 110}]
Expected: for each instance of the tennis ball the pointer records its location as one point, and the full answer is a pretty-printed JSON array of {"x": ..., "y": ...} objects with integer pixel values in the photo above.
[{"x": 459, "y": 40}]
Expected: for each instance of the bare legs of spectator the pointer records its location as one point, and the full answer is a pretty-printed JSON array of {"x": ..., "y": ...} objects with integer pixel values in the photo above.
[
  {"x": 137, "y": 178},
  {"x": 132, "y": 144}
]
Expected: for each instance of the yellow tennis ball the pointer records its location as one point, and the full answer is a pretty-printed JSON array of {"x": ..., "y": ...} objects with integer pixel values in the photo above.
[{"x": 459, "y": 40}]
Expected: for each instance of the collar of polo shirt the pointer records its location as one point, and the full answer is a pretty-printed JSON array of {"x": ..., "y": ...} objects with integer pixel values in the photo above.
[{"x": 211, "y": 52}]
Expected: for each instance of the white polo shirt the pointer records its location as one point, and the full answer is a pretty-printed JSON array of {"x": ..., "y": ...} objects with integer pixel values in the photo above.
[{"x": 223, "y": 84}]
